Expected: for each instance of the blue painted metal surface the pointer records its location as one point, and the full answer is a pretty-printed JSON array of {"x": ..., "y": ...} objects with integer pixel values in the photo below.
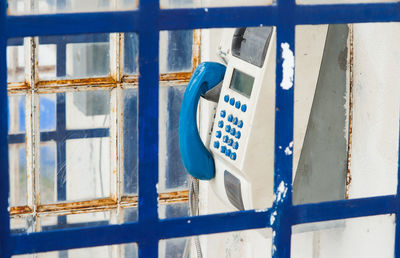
[
  {"x": 197, "y": 159},
  {"x": 148, "y": 20},
  {"x": 5, "y": 249}
]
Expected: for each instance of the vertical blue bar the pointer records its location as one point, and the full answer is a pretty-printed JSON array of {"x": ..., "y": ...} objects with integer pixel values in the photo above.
[
  {"x": 148, "y": 126},
  {"x": 4, "y": 182},
  {"x": 284, "y": 99}
]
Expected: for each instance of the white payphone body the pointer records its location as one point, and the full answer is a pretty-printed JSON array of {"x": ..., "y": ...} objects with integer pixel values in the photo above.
[{"x": 245, "y": 117}]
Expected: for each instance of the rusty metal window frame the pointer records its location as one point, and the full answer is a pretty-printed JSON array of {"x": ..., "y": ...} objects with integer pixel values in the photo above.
[{"x": 116, "y": 82}]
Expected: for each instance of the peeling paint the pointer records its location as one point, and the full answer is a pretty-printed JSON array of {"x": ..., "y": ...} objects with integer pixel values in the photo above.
[
  {"x": 272, "y": 218},
  {"x": 289, "y": 149},
  {"x": 287, "y": 67},
  {"x": 281, "y": 192}
]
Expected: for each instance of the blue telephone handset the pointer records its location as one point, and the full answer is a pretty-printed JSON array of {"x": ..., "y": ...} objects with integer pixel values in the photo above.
[{"x": 197, "y": 160}]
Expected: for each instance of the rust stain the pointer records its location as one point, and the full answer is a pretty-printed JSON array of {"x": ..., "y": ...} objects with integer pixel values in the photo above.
[
  {"x": 77, "y": 82},
  {"x": 181, "y": 76},
  {"x": 76, "y": 206},
  {"x": 350, "y": 133},
  {"x": 196, "y": 48},
  {"x": 19, "y": 210},
  {"x": 96, "y": 205}
]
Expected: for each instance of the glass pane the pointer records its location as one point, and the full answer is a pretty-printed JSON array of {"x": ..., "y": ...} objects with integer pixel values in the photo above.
[
  {"x": 74, "y": 56},
  {"x": 130, "y": 133},
  {"x": 131, "y": 48},
  {"x": 360, "y": 237},
  {"x": 238, "y": 244},
  {"x": 48, "y": 168},
  {"x": 87, "y": 168},
  {"x": 210, "y": 3},
  {"x": 75, "y": 149},
  {"x": 74, "y": 221},
  {"x": 15, "y": 60},
  {"x": 18, "y": 7},
  {"x": 90, "y": 109},
  {"x": 17, "y": 150},
  {"x": 176, "y": 49},
  {"x": 130, "y": 214},
  {"x": 173, "y": 210},
  {"x": 19, "y": 225},
  {"x": 47, "y": 112},
  {"x": 172, "y": 174}
]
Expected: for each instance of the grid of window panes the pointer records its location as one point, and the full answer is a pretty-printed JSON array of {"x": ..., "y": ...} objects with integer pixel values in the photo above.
[
  {"x": 73, "y": 126},
  {"x": 90, "y": 117}
]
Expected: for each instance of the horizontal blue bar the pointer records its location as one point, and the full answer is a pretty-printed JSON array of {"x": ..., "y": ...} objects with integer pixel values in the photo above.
[
  {"x": 188, "y": 226},
  {"x": 16, "y": 138},
  {"x": 69, "y": 24},
  {"x": 70, "y": 39},
  {"x": 75, "y": 134},
  {"x": 134, "y": 232},
  {"x": 347, "y": 13},
  {"x": 184, "y": 19},
  {"x": 344, "y": 209}
]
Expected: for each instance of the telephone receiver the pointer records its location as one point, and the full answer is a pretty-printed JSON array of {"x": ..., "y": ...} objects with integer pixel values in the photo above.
[{"x": 197, "y": 160}]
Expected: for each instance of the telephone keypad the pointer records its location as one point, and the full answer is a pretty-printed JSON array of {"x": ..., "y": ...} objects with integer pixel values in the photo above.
[{"x": 231, "y": 126}]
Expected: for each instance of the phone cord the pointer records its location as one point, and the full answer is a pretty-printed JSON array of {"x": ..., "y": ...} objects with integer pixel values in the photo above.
[{"x": 193, "y": 211}]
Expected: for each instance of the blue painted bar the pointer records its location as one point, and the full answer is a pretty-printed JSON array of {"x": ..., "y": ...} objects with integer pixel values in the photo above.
[
  {"x": 148, "y": 127},
  {"x": 148, "y": 20},
  {"x": 347, "y": 13},
  {"x": 284, "y": 104},
  {"x": 4, "y": 182},
  {"x": 185, "y": 19},
  {"x": 74, "y": 23},
  {"x": 344, "y": 209},
  {"x": 135, "y": 232}
]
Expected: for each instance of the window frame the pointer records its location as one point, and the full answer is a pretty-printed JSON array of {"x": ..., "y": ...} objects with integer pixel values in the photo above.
[{"x": 147, "y": 21}]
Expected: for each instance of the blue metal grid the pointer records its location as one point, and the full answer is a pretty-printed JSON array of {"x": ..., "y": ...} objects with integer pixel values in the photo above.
[{"x": 147, "y": 21}]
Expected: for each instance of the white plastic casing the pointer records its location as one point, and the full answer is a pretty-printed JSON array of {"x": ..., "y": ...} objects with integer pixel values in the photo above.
[{"x": 253, "y": 164}]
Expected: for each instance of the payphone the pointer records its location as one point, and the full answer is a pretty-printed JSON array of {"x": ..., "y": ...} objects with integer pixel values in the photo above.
[{"x": 242, "y": 176}]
